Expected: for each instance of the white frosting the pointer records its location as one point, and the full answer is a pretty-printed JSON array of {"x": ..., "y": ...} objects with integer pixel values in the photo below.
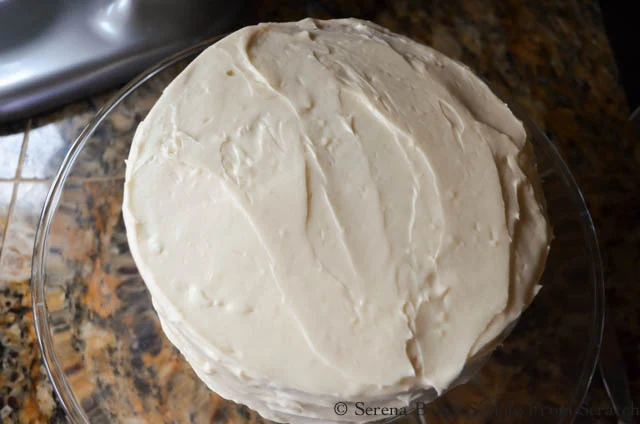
[{"x": 325, "y": 211}]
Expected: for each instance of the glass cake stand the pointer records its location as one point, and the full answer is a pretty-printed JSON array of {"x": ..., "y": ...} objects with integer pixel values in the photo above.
[{"x": 109, "y": 360}]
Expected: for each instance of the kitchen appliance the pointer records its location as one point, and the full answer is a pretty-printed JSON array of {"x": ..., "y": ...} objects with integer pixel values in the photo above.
[{"x": 56, "y": 51}]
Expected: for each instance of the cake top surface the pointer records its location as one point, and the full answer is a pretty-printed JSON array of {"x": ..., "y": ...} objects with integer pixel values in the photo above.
[{"x": 334, "y": 210}]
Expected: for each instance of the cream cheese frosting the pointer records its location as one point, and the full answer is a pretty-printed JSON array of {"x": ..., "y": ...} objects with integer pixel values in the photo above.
[{"x": 326, "y": 211}]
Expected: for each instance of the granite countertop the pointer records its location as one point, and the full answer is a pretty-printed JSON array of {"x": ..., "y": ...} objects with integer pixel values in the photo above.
[{"x": 554, "y": 59}]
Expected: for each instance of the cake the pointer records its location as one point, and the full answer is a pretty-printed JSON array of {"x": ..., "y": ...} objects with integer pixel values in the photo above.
[{"x": 326, "y": 211}]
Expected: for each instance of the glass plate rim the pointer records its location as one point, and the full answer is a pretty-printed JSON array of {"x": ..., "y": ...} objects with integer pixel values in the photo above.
[{"x": 74, "y": 411}]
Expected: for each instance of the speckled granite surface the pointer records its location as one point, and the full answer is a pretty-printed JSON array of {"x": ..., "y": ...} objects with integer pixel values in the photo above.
[{"x": 552, "y": 57}]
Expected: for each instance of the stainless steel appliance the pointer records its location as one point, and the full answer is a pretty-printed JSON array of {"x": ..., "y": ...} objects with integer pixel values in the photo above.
[{"x": 56, "y": 51}]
